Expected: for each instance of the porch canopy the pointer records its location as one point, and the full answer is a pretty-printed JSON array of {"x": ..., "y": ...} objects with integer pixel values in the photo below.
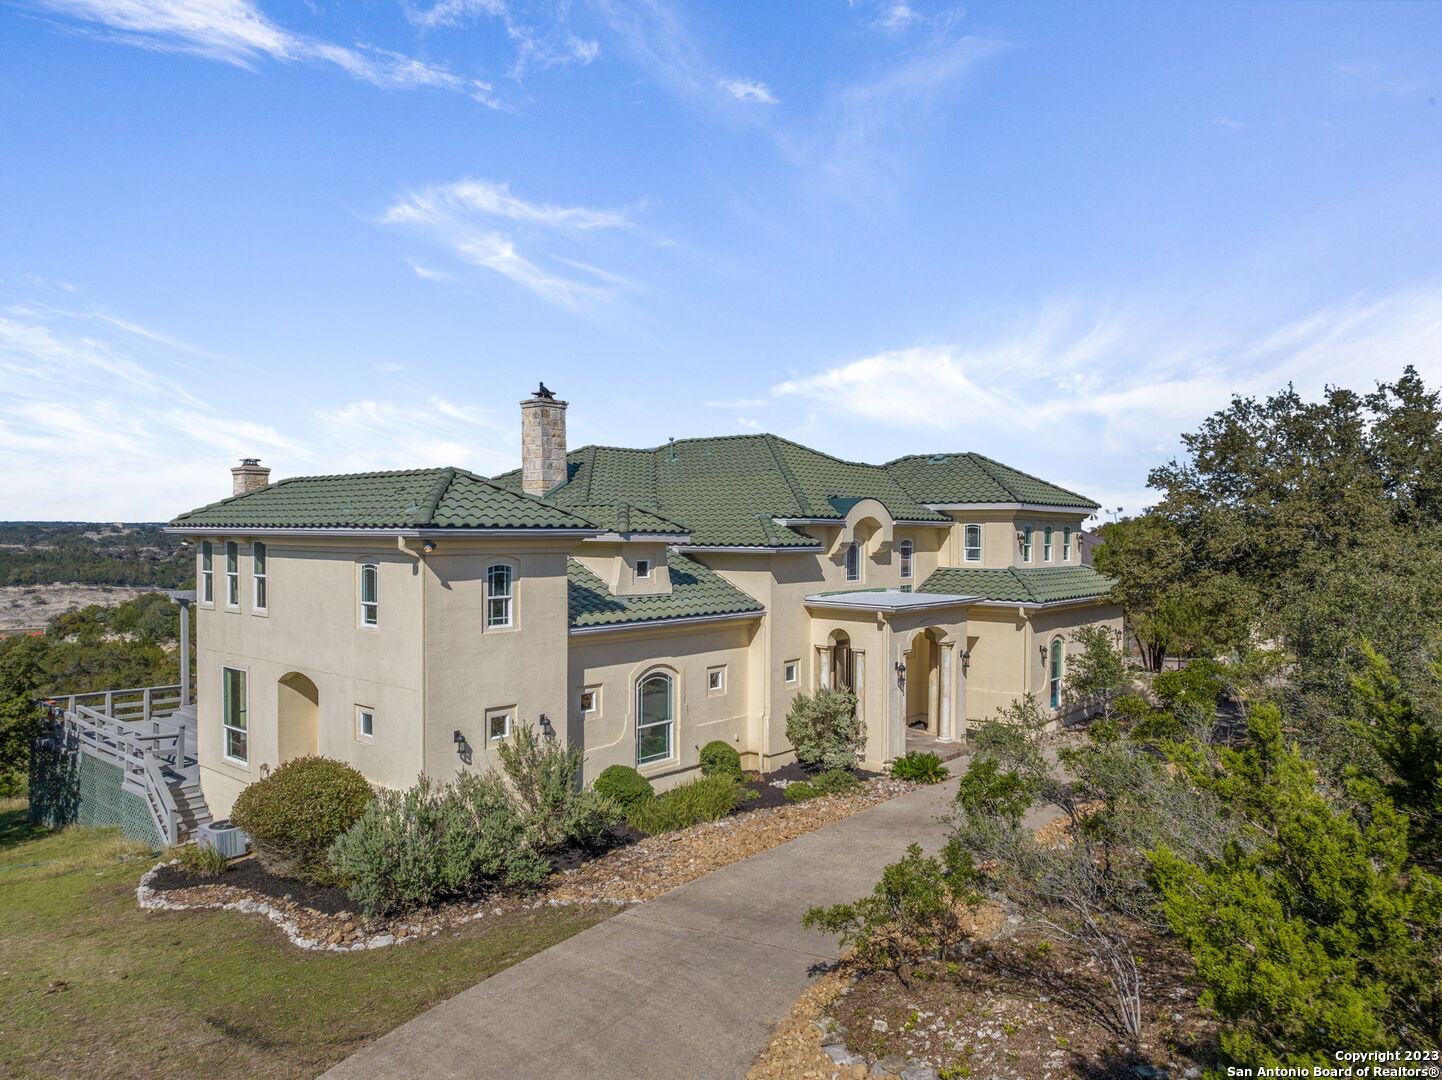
[{"x": 887, "y": 600}]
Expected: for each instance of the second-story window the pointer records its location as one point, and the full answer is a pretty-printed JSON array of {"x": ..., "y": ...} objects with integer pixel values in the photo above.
[
  {"x": 971, "y": 543},
  {"x": 853, "y": 561},
  {"x": 1066, "y": 544},
  {"x": 232, "y": 574},
  {"x": 1026, "y": 532},
  {"x": 370, "y": 594},
  {"x": 907, "y": 550},
  {"x": 643, "y": 569},
  {"x": 1046, "y": 545},
  {"x": 207, "y": 572},
  {"x": 258, "y": 575},
  {"x": 499, "y": 596}
]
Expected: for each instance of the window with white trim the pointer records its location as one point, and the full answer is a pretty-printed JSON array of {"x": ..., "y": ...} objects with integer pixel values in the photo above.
[
  {"x": 1066, "y": 544},
  {"x": 971, "y": 543},
  {"x": 853, "y": 561},
  {"x": 365, "y": 722},
  {"x": 1026, "y": 536},
  {"x": 500, "y": 580},
  {"x": 369, "y": 590},
  {"x": 906, "y": 550},
  {"x": 259, "y": 576},
  {"x": 590, "y": 702},
  {"x": 498, "y": 724},
  {"x": 207, "y": 572},
  {"x": 1046, "y": 544},
  {"x": 1055, "y": 663},
  {"x": 792, "y": 671},
  {"x": 234, "y": 715},
  {"x": 232, "y": 574},
  {"x": 655, "y": 717},
  {"x": 643, "y": 569},
  {"x": 716, "y": 680}
]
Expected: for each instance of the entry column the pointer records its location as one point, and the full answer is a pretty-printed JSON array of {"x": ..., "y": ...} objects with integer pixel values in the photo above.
[{"x": 946, "y": 729}]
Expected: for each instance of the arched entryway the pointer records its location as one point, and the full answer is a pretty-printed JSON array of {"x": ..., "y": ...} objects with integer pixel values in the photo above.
[
  {"x": 929, "y": 685},
  {"x": 297, "y": 717}
]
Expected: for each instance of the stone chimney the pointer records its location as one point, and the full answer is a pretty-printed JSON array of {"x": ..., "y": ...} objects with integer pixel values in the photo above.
[
  {"x": 543, "y": 442},
  {"x": 248, "y": 475}
]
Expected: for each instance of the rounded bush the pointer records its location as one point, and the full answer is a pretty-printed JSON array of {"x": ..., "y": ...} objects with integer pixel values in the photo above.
[
  {"x": 831, "y": 782},
  {"x": 720, "y": 759},
  {"x": 925, "y": 768},
  {"x": 294, "y": 815},
  {"x": 623, "y": 785}
]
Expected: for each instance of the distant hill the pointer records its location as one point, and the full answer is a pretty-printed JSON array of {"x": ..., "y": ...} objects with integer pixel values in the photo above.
[{"x": 92, "y": 553}]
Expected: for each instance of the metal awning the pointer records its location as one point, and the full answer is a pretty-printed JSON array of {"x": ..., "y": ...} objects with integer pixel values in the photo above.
[{"x": 888, "y": 600}]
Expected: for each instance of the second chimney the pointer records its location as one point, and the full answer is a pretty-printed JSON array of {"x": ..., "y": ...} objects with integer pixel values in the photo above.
[
  {"x": 248, "y": 475},
  {"x": 543, "y": 443}
]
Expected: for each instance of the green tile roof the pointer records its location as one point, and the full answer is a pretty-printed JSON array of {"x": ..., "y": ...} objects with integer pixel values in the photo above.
[
  {"x": 972, "y": 478},
  {"x": 727, "y": 490},
  {"x": 625, "y": 518},
  {"x": 407, "y": 499},
  {"x": 1039, "y": 586},
  {"x": 695, "y": 590}
]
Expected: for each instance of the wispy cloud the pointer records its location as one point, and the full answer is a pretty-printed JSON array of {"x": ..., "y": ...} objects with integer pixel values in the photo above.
[
  {"x": 542, "y": 39},
  {"x": 1373, "y": 77},
  {"x": 481, "y": 223},
  {"x": 1228, "y": 123},
  {"x": 749, "y": 90},
  {"x": 739, "y": 403},
  {"x": 239, "y": 33}
]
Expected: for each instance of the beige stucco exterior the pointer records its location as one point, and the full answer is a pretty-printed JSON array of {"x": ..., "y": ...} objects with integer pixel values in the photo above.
[{"x": 433, "y": 673}]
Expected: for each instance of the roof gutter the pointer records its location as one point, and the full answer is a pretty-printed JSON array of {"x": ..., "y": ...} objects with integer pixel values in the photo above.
[
  {"x": 1044, "y": 508},
  {"x": 750, "y": 549},
  {"x": 837, "y": 522},
  {"x": 348, "y": 532},
  {"x": 1040, "y": 604},
  {"x": 683, "y": 620},
  {"x": 641, "y": 537}
]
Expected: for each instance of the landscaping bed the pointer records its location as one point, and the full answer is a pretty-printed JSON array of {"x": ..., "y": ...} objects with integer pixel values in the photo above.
[{"x": 634, "y": 869}]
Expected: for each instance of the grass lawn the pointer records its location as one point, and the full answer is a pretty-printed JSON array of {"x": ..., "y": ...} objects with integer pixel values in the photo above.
[{"x": 210, "y": 994}]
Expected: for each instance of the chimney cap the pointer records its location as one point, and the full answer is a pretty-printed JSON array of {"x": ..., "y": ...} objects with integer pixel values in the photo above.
[
  {"x": 250, "y": 461},
  {"x": 543, "y": 393}
]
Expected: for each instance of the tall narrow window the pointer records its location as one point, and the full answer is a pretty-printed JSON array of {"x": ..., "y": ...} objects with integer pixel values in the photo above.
[
  {"x": 370, "y": 590},
  {"x": 234, "y": 709},
  {"x": 853, "y": 561},
  {"x": 232, "y": 574},
  {"x": 498, "y": 595},
  {"x": 365, "y": 722},
  {"x": 907, "y": 549},
  {"x": 971, "y": 543},
  {"x": 1026, "y": 531},
  {"x": 207, "y": 572},
  {"x": 1054, "y": 673},
  {"x": 258, "y": 575},
  {"x": 1046, "y": 545},
  {"x": 1066, "y": 544},
  {"x": 655, "y": 716}
]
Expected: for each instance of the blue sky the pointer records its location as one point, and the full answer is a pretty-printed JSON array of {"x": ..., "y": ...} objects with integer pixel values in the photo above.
[{"x": 343, "y": 236}]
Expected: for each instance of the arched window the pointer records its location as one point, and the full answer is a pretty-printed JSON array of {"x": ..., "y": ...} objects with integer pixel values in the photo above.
[
  {"x": 853, "y": 561},
  {"x": 1046, "y": 545},
  {"x": 971, "y": 543},
  {"x": 1066, "y": 544},
  {"x": 1026, "y": 532},
  {"x": 499, "y": 594},
  {"x": 370, "y": 585},
  {"x": 906, "y": 550},
  {"x": 655, "y": 717},
  {"x": 1054, "y": 673}
]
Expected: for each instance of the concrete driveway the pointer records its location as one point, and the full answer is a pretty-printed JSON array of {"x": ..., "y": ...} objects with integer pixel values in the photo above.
[{"x": 684, "y": 987}]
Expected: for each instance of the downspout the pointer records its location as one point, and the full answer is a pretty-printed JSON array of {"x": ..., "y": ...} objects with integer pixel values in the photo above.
[{"x": 412, "y": 546}]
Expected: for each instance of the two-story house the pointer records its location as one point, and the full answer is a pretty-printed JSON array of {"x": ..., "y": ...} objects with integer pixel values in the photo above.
[{"x": 636, "y": 602}]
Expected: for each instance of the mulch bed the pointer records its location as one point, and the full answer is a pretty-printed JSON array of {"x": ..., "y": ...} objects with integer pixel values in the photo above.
[{"x": 626, "y": 867}]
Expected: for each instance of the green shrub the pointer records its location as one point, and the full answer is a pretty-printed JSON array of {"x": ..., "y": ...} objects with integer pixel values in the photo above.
[
  {"x": 430, "y": 842},
  {"x": 294, "y": 815},
  {"x": 623, "y": 785},
  {"x": 202, "y": 860},
  {"x": 720, "y": 759},
  {"x": 831, "y": 782},
  {"x": 706, "y": 798},
  {"x": 554, "y": 809},
  {"x": 825, "y": 730},
  {"x": 922, "y": 767}
]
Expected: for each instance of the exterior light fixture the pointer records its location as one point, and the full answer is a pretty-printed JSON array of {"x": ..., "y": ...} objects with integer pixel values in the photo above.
[
  {"x": 429, "y": 546},
  {"x": 463, "y": 748},
  {"x": 546, "y": 729}
]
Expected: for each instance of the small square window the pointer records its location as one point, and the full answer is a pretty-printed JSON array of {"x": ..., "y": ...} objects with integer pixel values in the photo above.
[
  {"x": 643, "y": 569},
  {"x": 792, "y": 670},
  {"x": 365, "y": 722},
  {"x": 716, "y": 680},
  {"x": 498, "y": 725},
  {"x": 590, "y": 701}
]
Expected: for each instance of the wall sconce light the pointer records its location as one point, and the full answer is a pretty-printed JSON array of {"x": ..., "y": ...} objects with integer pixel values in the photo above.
[
  {"x": 429, "y": 546},
  {"x": 900, "y": 675},
  {"x": 463, "y": 748},
  {"x": 965, "y": 660},
  {"x": 546, "y": 728}
]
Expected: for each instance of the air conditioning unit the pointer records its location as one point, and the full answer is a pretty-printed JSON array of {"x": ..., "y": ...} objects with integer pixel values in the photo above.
[{"x": 224, "y": 837}]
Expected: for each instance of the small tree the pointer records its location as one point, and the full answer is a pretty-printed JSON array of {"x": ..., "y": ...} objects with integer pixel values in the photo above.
[
  {"x": 1097, "y": 675},
  {"x": 825, "y": 730},
  {"x": 915, "y": 910},
  {"x": 552, "y": 806}
]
